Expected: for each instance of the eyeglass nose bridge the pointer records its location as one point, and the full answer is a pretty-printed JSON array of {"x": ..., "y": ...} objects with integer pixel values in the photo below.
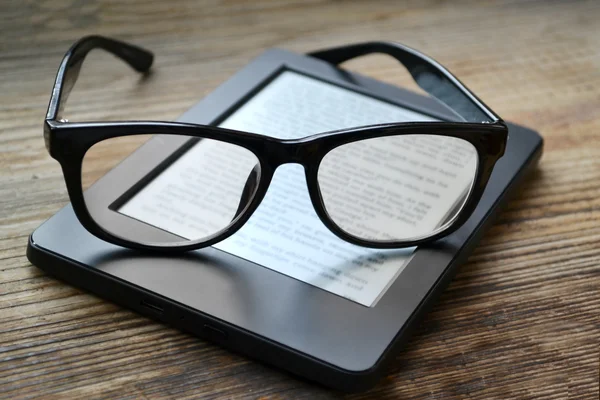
[{"x": 295, "y": 151}]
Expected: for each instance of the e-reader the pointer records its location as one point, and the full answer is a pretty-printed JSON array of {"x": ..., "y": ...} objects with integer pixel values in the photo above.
[{"x": 283, "y": 289}]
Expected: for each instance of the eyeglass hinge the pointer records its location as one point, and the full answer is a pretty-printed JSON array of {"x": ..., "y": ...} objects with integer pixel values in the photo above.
[
  {"x": 48, "y": 125},
  {"x": 47, "y": 133}
]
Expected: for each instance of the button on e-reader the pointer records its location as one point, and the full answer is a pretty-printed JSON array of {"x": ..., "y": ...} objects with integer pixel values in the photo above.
[{"x": 212, "y": 333}]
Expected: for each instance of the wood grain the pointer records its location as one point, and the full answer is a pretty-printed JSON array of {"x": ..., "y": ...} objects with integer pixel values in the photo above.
[{"x": 521, "y": 319}]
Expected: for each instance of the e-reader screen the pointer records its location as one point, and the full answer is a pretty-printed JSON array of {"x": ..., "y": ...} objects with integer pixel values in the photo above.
[{"x": 284, "y": 234}]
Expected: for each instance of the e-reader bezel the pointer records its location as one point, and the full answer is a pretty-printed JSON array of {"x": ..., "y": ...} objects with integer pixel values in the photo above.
[{"x": 258, "y": 311}]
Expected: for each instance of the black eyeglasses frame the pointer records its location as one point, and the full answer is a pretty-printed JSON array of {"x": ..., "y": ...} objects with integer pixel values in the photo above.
[{"x": 68, "y": 142}]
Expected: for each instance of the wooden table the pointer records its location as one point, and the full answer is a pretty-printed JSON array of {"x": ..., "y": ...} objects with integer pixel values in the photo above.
[{"x": 521, "y": 319}]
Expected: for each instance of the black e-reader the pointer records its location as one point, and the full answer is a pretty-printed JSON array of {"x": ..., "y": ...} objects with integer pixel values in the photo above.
[{"x": 283, "y": 289}]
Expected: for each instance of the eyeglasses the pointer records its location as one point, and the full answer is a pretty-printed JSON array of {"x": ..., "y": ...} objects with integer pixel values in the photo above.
[{"x": 390, "y": 185}]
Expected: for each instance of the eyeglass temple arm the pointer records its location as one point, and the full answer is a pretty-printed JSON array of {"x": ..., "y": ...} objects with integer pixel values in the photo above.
[
  {"x": 138, "y": 58},
  {"x": 427, "y": 73}
]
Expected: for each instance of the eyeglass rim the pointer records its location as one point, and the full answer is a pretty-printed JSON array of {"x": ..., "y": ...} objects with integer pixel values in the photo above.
[{"x": 77, "y": 138}]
